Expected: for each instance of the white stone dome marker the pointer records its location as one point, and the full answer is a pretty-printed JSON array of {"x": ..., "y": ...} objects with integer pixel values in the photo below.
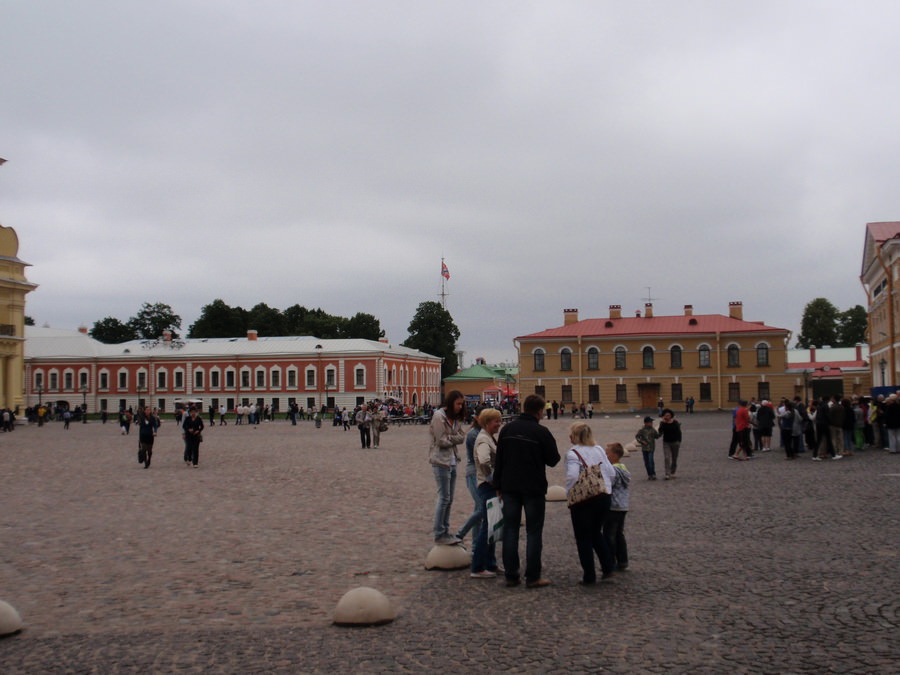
[
  {"x": 363, "y": 606},
  {"x": 10, "y": 621},
  {"x": 443, "y": 557}
]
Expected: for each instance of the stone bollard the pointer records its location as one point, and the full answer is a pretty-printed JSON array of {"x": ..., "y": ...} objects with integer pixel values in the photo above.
[
  {"x": 556, "y": 493},
  {"x": 363, "y": 606},
  {"x": 442, "y": 557},
  {"x": 10, "y": 621}
]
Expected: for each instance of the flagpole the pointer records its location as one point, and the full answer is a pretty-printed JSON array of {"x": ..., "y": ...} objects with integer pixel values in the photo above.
[{"x": 445, "y": 274}]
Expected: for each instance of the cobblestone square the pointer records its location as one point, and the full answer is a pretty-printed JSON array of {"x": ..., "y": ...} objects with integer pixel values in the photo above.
[{"x": 762, "y": 566}]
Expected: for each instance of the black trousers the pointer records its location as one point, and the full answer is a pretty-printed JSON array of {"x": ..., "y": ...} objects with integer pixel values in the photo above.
[{"x": 587, "y": 525}]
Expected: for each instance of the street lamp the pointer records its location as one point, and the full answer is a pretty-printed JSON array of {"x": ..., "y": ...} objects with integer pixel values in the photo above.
[{"x": 84, "y": 391}]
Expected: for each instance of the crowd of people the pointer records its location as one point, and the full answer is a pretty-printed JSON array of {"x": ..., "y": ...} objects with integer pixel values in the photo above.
[
  {"x": 509, "y": 464},
  {"x": 831, "y": 426}
]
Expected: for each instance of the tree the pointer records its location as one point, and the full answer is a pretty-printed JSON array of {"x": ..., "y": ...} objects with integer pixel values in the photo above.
[
  {"x": 29, "y": 321},
  {"x": 852, "y": 326},
  {"x": 150, "y": 322},
  {"x": 432, "y": 331},
  {"x": 363, "y": 326},
  {"x": 218, "y": 320},
  {"x": 818, "y": 328},
  {"x": 112, "y": 331},
  {"x": 265, "y": 320}
]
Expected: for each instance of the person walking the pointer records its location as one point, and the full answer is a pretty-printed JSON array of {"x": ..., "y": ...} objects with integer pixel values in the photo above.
[
  {"x": 192, "y": 429},
  {"x": 670, "y": 431},
  {"x": 148, "y": 424},
  {"x": 524, "y": 449},
  {"x": 364, "y": 424}
]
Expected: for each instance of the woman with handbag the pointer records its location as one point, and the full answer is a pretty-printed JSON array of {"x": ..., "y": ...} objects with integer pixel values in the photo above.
[{"x": 589, "y": 500}]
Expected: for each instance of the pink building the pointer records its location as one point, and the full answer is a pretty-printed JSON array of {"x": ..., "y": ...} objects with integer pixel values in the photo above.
[{"x": 66, "y": 366}]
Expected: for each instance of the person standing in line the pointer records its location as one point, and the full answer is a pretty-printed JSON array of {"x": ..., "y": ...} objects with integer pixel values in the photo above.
[
  {"x": 765, "y": 422},
  {"x": 588, "y": 517},
  {"x": 446, "y": 434},
  {"x": 661, "y": 405},
  {"x": 148, "y": 424},
  {"x": 524, "y": 449},
  {"x": 484, "y": 558},
  {"x": 364, "y": 424},
  {"x": 891, "y": 415},
  {"x": 192, "y": 429},
  {"x": 670, "y": 431},
  {"x": 646, "y": 439},
  {"x": 741, "y": 426}
]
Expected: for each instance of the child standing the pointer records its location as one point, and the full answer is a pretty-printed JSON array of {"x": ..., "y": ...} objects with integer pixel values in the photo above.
[
  {"x": 646, "y": 438},
  {"x": 614, "y": 524}
]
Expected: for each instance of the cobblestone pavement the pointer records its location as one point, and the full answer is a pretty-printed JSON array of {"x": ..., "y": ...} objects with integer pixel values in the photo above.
[{"x": 763, "y": 566}]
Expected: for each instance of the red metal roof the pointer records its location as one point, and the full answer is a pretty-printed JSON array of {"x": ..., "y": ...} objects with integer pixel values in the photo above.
[
  {"x": 656, "y": 325},
  {"x": 883, "y": 231}
]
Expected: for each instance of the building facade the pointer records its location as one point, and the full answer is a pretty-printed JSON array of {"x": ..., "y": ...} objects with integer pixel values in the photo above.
[
  {"x": 69, "y": 368},
  {"x": 628, "y": 363},
  {"x": 13, "y": 288},
  {"x": 880, "y": 277}
]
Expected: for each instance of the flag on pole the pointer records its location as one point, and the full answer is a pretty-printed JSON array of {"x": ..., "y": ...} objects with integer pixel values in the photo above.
[{"x": 444, "y": 271}]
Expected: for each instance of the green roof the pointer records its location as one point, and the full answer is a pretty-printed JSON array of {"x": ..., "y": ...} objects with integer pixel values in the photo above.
[{"x": 480, "y": 372}]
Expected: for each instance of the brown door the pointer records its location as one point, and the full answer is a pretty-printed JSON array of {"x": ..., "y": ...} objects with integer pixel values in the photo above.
[{"x": 649, "y": 395}]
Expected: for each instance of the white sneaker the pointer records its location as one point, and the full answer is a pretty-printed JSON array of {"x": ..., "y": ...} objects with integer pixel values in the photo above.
[
  {"x": 817, "y": 459},
  {"x": 838, "y": 457}
]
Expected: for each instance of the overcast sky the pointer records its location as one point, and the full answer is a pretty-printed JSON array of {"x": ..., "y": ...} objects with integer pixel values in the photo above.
[{"x": 556, "y": 154}]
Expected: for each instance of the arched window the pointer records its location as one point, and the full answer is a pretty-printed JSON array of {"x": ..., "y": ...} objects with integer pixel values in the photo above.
[
  {"x": 675, "y": 356},
  {"x": 565, "y": 359},
  {"x": 647, "y": 353},
  {"x": 620, "y": 358},
  {"x": 539, "y": 359},
  {"x": 762, "y": 354},
  {"x": 734, "y": 356},
  {"x": 593, "y": 358},
  {"x": 703, "y": 353}
]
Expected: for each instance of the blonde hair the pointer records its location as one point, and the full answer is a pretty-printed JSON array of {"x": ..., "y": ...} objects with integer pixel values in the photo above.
[
  {"x": 580, "y": 433},
  {"x": 616, "y": 449},
  {"x": 487, "y": 416}
]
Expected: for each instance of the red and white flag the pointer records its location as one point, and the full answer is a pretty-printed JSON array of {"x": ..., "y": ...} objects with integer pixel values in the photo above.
[{"x": 444, "y": 271}]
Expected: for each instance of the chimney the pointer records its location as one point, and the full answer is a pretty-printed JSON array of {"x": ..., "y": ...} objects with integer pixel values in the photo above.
[
  {"x": 812, "y": 354},
  {"x": 83, "y": 330},
  {"x": 637, "y": 314},
  {"x": 252, "y": 335},
  {"x": 615, "y": 311},
  {"x": 648, "y": 310},
  {"x": 689, "y": 310},
  {"x": 570, "y": 316},
  {"x": 167, "y": 336},
  {"x": 859, "y": 353},
  {"x": 736, "y": 310}
]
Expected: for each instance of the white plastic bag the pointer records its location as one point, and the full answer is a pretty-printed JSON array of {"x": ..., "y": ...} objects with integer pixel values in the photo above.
[{"x": 494, "y": 508}]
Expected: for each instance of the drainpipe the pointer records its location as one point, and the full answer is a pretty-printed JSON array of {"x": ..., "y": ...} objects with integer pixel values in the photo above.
[{"x": 718, "y": 370}]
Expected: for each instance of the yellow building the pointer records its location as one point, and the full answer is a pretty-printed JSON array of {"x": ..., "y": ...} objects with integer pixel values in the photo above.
[
  {"x": 13, "y": 287},
  {"x": 880, "y": 278},
  {"x": 626, "y": 363}
]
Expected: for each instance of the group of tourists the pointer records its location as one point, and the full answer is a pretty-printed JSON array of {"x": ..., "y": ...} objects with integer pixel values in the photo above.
[
  {"x": 834, "y": 426},
  {"x": 554, "y": 410},
  {"x": 510, "y": 464}
]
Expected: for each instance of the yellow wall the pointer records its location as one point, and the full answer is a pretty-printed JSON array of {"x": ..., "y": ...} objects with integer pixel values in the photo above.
[
  {"x": 13, "y": 287},
  {"x": 641, "y": 383}
]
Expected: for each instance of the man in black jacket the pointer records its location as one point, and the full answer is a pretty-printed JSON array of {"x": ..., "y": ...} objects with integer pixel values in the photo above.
[{"x": 524, "y": 450}]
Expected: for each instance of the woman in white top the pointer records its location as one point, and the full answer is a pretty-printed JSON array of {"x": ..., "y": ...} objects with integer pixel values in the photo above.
[{"x": 588, "y": 517}]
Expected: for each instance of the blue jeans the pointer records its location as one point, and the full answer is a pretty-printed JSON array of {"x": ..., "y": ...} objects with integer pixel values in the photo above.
[
  {"x": 648, "y": 463},
  {"x": 445, "y": 478},
  {"x": 477, "y": 516},
  {"x": 534, "y": 506},
  {"x": 483, "y": 555}
]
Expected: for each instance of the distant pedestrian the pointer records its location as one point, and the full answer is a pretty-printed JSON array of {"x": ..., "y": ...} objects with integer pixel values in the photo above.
[
  {"x": 148, "y": 424},
  {"x": 646, "y": 439},
  {"x": 193, "y": 436},
  {"x": 670, "y": 430}
]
